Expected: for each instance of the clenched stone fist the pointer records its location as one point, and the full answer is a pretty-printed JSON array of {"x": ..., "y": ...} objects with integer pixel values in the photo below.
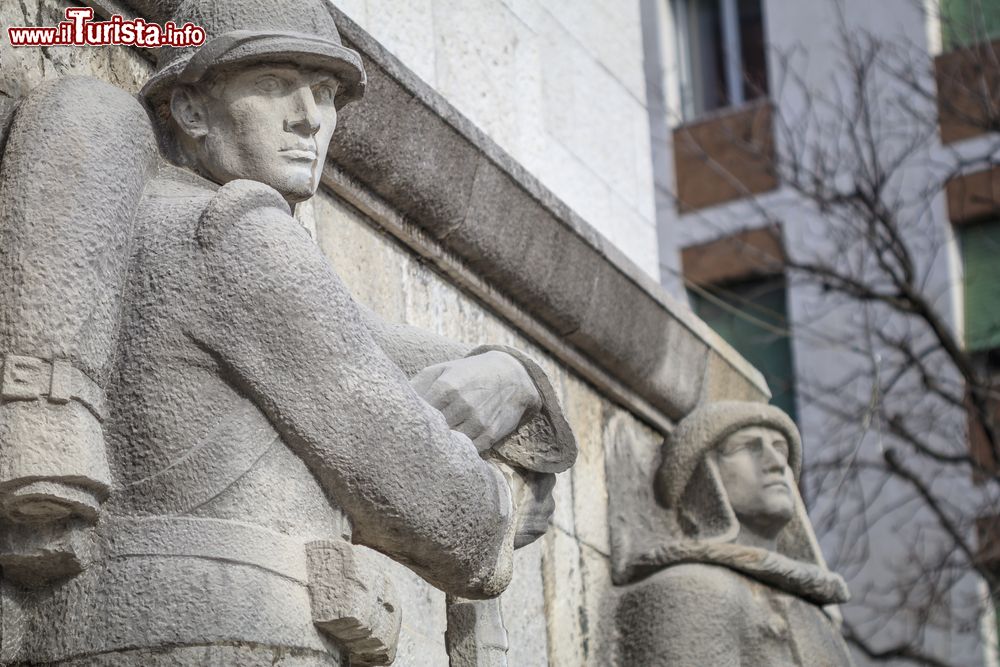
[{"x": 486, "y": 396}]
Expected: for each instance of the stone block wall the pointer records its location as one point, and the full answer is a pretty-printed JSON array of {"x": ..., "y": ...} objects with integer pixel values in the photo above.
[{"x": 557, "y": 610}]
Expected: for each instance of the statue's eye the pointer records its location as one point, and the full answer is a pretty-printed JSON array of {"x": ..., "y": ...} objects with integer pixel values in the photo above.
[
  {"x": 733, "y": 447},
  {"x": 324, "y": 93},
  {"x": 269, "y": 84}
]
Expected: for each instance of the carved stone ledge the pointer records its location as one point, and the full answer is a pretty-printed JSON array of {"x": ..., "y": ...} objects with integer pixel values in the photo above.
[{"x": 407, "y": 158}]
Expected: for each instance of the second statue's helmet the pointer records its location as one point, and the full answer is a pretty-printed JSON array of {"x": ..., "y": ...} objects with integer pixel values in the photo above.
[{"x": 299, "y": 32}]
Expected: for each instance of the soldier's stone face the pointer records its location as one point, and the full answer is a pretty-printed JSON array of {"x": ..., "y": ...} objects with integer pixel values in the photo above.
[
  {"x": 753, "y": 467},
  {"x": 272, "y": 124}
]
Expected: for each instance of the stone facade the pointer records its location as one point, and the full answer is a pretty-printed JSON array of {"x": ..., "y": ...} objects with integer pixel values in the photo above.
[{"x": 561, "y": 589}]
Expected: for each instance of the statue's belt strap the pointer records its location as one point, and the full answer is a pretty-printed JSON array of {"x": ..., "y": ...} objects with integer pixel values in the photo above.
[
  {"x": 352, "y": 599},
  {"x": 211, "y": 539},
  {"x": 31, "y": 378}
]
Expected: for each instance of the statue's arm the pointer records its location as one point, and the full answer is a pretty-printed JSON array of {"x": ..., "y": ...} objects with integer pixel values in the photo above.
[
  {"x": 542, "y": 441},
  {"x": 411, "y": 348},
  {"x": 283, "y": 326}
]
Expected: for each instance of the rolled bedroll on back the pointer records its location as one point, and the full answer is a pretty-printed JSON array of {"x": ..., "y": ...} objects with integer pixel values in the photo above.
[{"x": 67, "y": 205}]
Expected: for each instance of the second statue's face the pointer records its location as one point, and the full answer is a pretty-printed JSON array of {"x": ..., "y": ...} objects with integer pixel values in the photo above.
[
  {"x": 268, "y": 123},
  {"x": 753, "y": 467}
]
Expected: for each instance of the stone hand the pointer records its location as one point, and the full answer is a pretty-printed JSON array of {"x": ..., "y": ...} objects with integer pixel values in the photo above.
[{"x": 485, "y": 396}]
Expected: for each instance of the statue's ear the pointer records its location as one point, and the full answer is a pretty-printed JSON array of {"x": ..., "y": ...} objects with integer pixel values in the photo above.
[{"x": 187, "y": 106}]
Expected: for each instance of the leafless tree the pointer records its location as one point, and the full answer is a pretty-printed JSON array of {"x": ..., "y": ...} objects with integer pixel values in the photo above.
[{"x": 893, "y": 483}]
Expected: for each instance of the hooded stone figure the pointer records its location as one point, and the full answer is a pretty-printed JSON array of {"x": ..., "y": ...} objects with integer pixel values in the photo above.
[
  {"x": 198, "y": 424},
  {"x": 742, "y": 581}
]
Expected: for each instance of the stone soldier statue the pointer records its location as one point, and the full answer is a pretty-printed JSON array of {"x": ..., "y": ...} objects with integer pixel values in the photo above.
[
  {"x": 198, "y": 424},
  {"x": 743, "y": 582}
]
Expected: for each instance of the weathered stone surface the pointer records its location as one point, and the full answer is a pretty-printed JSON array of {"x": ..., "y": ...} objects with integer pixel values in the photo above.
[
  {"x": 421, "y": 638},
  {"x": 477, "y": 46},
  {"x": 513, "y": 67},
  {"x": 261, "y": 427},
  {"x": 56, "y": 360},
  {"x": 564, "y": 600},
  {"x": 590, "y": 488},
  {"x": 636, "y": 520},
  {"x": 25, "y": 68},
  {"x": 721, "y": 384},
  {"x": 600, "y": 636},
  {"x": 476, "y": 634},
  {"x": 407, "y": 28},
  {"x": 354, "y": 601},
  {"x": 736, "y": 575},
  {"x": 523, "y": 608}
]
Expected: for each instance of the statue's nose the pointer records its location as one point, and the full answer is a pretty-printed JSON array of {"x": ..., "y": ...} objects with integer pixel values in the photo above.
[
  {"x": 773, "y": 459},
  {"x": 304, "y": 119}
]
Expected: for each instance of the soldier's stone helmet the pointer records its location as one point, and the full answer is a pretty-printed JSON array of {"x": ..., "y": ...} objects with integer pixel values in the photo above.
[
  {"x": 706, "y": 427},
  {"x": 300, "y": 32},
  {"x": 689, "y": 485}
]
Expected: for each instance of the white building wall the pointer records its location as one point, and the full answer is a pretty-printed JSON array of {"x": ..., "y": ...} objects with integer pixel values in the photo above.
[{"x": 558, "y": 84}]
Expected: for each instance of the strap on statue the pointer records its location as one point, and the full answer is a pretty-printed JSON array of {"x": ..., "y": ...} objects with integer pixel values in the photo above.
[{"x": 58, "y": 381}]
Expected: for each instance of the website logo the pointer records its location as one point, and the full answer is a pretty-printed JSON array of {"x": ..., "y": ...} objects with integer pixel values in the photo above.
[{"x": 79, "y": 29}]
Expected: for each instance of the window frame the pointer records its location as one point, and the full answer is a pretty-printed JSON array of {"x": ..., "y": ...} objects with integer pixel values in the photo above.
[
  {"x": 966, "y": 23},
  {"x": 745, "y": 301},
  {"x": 981, "y": 334},
  {"x": 732, "y": 50}
]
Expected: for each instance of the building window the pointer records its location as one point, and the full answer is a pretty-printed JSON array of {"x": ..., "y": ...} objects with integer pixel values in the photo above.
[
  {"x": 722, "y": 53},
  {"x": 980, "y": 244},
  {"x": 737, "y": 285},
  {"x": 980, "y": 423},
  {"x": 967, "y": 22},
  {"x": 751, "y": 316}
]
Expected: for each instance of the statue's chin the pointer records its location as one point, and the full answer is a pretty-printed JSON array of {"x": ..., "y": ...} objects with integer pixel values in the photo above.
[
  {"x": 297, "y": 196},
  {"x": 295, "y": 183},
  {"x": 297, "y": 187}
]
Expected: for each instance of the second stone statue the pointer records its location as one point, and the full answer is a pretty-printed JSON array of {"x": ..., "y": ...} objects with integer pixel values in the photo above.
[{"x": 738, "y": 578}]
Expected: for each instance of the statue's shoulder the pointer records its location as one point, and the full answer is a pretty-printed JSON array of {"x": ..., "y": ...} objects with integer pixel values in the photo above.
[
  {"x": 699, "y": 612},
  {"x": 192, "y": 204},
  {"x": 237, "y": 200}
]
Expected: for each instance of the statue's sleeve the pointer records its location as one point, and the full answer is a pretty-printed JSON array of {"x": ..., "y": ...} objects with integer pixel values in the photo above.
[
  {"x": 411, "y": 348},
  {"x": 285, "y": 330},
  {"x": 544, "y": 442}
]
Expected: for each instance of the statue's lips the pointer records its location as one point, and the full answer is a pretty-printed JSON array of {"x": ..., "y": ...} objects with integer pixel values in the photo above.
[
  {"x": 299, "y": 154},
  {"x": 780, "y": 483}
]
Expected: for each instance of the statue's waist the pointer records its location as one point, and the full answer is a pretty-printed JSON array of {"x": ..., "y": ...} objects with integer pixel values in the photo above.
[
  {"x": 204, "y": 538},
  {"x": 189, "y": 581}
]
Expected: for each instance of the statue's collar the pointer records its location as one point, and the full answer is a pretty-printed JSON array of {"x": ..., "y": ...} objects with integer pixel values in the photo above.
[{"x": 806, "y": 580}]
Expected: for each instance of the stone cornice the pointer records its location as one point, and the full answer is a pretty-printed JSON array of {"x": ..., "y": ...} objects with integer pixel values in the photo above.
[{"x": 414, "y": 164}]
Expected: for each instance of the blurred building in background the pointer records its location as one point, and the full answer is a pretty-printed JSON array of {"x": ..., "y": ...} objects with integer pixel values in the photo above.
[{"x": 780, "y": 128}]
